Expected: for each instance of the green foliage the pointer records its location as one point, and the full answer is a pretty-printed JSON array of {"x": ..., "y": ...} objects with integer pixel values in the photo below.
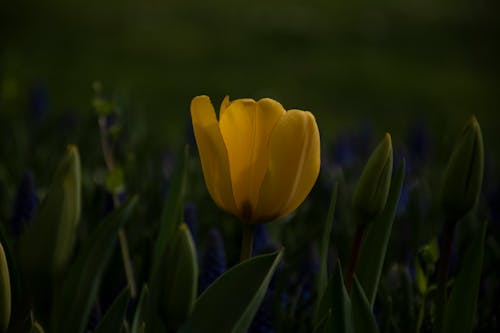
[
  {"x": 325, "y": 244},
  {"x": 46, "y": 247},
  {"x": 171, "y": 218},
  {"x": 79, "y": 289},
  {"x": 463, "y": 176},
  {"x": 324, "y": 324},
  {"x": 336, "y": 305},
  {"x": 461, "y": 307},
  {"x": 374, "y": 248},
  {"x": 5, "y": 293},
  {"x": 372, "y": 190},
  {"x": 231, "y": 302},
  {"x": 181, "y": 282},
  {"x": 304, "y": 296},
  {"x": 36, "y": 328},
  {"x": 362, "y": 316},
  {"x": 114, "y": 317},
  {"x": 139, "y": 322},
  {"x": 115, "y": 180}
]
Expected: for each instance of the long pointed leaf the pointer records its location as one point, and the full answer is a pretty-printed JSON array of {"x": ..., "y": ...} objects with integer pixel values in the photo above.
[
  {"x": 141, "y": 310},
  {"x": 113, "y": 319},
  {"x": 231, "y": 302},
  {"x": 461, "y": 308},
  {"x": 79, "y": 289},
  {"x": 336, "y": 299},
  {"x": 325, "y": 243},
  {"x": 374, "y": 248},
  {"x": 362, "y": 316},
  {"x": 170, "y": 220},
  {"x": 323, "y": 325}
]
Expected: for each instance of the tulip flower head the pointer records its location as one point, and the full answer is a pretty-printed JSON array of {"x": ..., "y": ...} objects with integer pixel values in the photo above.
[{"x": 259, "y": 161}]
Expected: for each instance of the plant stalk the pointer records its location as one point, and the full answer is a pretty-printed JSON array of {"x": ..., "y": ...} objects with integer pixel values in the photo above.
[
  {"x": 127, "y": 265},
  {"x": 247, "y": 241},
  {"x": 444, "y": 266},
  {"x": 358, "y": 238}
]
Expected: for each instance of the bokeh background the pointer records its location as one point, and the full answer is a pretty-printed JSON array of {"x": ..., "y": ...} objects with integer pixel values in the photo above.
[{"x": 389, "y": 61}]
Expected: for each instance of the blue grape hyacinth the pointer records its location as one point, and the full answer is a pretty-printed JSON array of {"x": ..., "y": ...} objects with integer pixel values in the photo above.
[{"x": 213, "y": 261}]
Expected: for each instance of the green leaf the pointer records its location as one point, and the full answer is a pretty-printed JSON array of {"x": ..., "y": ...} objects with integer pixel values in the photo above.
[
  {"x": 171, "y": 218},
  {"x": 362, "y": 316},
  {"x": 115, "y": 131},
  {"x": 231, "y": 302},
  {"x": 5, "y": 299},
  {"x": 181, "y": 279},
  {"x": 374, "y": 248},
  {"x": 46, "y": 246},
  {"x": 323, "y": 325},
  {"x": 102, "y": 107},
  {"x": 141, "y": 311},
  {"x": 336, "y": 299},
  {"x": 420, "y": 278},
  {"x": 461, "y": 308},
  {"x": 325, "y": 243},
  {"x": 115, "y": 179},
  {"x": 36, "y": 328},
  {"x": 15, "y": 285},
  {"x": 113, "y": 319},
  {"x": 79, "y": 289}
]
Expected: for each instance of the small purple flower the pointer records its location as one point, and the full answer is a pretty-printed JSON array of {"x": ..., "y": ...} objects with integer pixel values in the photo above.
[
  {"x": 262, "y": 242},
  {"x": 213, "y": 262},
  {"x": 419, "y": 143},
  {"x": 343, "y": 153}
]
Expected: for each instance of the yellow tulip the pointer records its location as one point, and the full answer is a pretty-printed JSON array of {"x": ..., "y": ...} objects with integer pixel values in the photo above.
[{"x": 259, "y": 161}]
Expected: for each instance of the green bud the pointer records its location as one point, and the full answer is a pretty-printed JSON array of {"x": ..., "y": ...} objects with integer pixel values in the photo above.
[
  {"x": 463, "y": 176},
  {"x": 372, "y": 189},
  {"x": 47, "y": 245},
  {"x": 181, "y": 279},
  {"x": 5, "y": 298}
]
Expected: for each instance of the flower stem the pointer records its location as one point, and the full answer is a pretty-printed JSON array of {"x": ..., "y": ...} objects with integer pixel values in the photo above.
[
  {"x": 358, "y": 237},
  {"x": 108, "y": 159},
  {"x": 444, "y": 265},
  {"x": 247, "y": 241}
]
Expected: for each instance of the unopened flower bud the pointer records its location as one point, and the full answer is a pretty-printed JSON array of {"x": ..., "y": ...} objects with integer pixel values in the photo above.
[
  {"x": 47, "y": 245},
  {"x": 372, "y": 189},
  {"x": 463, "y": 176}
]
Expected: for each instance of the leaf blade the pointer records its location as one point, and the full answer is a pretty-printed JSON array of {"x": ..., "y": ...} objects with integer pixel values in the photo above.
[
  {"x": 362, "y": 316},
  {"x": 241, "y": 289},
  {"x": 336, "y": 300},
  {"x": 113, "y": 318},
  {"x": 325, "y": 243},
  {"x": 376, "y": 241},
  {"x": 461, "y": 307},
  {"x": 79, "y": 289}
]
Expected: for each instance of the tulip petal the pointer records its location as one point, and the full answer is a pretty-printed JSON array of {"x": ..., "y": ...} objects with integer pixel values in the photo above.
[
  {"x": 246, "y": 127},
  {"x": 294, "y": 162},
  {"x": 213, "y": 153},
  {"x": 223, "y": 106}
]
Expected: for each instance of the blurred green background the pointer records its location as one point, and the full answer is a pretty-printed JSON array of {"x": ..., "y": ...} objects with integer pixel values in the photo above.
[{"x": 343, "y": 60}]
